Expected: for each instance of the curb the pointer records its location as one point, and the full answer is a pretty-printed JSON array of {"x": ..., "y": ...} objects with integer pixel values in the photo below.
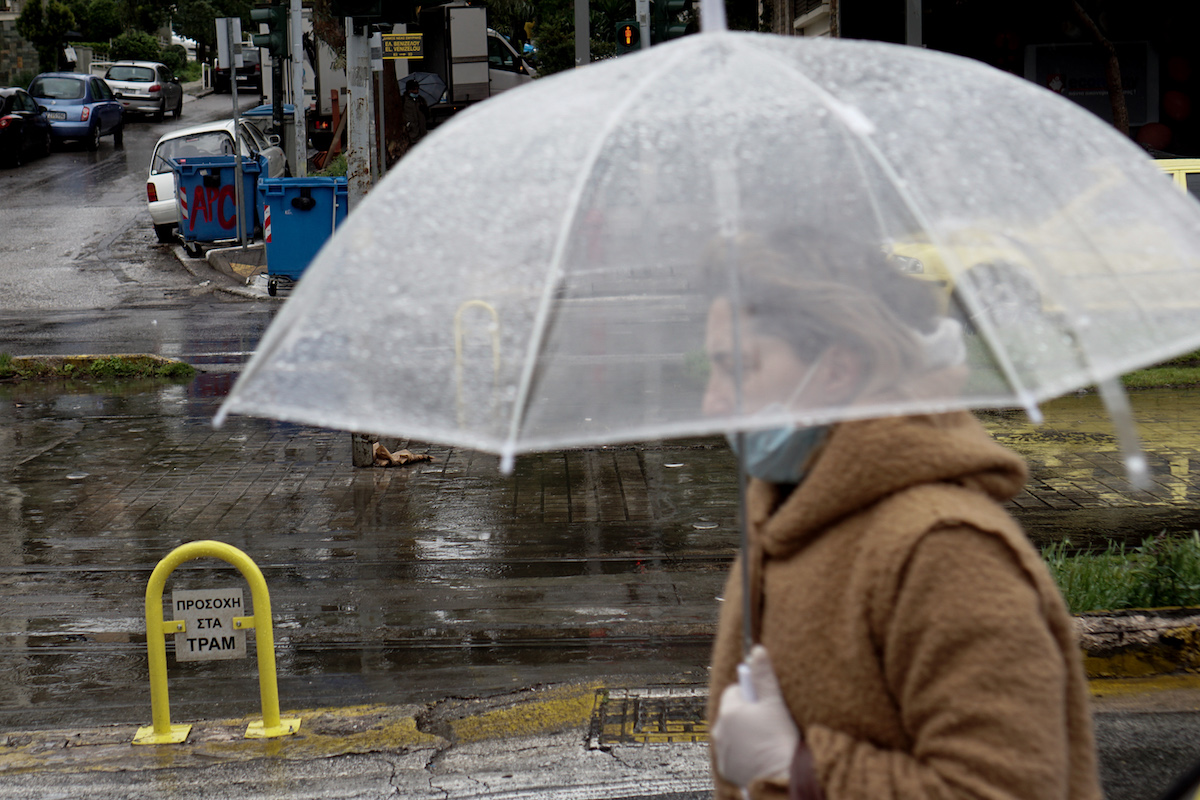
[
  {"x": 226, "y": 275},
  {"x": 1140, "y": 643},
  {"x": 323, "y": 733}
]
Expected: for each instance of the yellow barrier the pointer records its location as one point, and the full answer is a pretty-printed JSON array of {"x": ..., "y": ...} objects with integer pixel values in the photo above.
[
  {"x": 162, "y": 731},
  {"x": 494, "y": 329}
]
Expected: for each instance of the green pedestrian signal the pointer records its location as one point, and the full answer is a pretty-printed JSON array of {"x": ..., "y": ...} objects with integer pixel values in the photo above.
[
  {"x": 629, "y": 37},
  {"x": 276, "y": 18},
  {"x": 672, "y": 19}
]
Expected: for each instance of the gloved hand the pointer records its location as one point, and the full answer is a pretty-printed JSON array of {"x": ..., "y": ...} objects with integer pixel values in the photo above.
[{"x": 755, "y": 737}]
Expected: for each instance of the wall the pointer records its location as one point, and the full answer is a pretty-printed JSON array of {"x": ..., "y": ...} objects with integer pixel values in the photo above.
[{"x": 16, "y": 55}]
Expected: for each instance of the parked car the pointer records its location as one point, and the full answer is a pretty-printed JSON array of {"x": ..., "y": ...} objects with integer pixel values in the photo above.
[
  {"x": 209, "y": 139},
  {"x": 24, "y": 129},
  {"x": 79, "y": 107},
  {"x": 145, "y": 87},
  {"x": 249, "y": 75}
]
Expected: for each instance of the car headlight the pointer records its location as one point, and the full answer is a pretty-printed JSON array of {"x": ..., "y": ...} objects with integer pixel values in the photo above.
[{"x": 908, "y": 265}]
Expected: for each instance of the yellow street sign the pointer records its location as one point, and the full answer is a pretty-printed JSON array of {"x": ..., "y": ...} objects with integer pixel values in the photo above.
[{"x": 403, "y": 45}]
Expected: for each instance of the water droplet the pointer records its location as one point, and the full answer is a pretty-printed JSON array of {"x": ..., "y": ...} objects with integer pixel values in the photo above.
[
  {"x": 673, "y": 466},
  {"x": 704, "y": 526},
  {"x": 77, "y": 476}
]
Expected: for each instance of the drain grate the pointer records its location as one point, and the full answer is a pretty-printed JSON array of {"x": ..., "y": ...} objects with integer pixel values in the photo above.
[{"x": 648, "y": 716}]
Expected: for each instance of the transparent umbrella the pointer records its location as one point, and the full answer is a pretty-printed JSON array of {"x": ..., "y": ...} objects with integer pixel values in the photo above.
[{"x": 539, "y": 273}]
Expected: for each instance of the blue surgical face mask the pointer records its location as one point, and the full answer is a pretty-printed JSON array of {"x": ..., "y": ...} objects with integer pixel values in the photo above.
[{"x": 779, "y": 455}]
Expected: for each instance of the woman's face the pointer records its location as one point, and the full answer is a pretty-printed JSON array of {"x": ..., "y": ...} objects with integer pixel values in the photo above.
[{"x": 770, "y": 370}]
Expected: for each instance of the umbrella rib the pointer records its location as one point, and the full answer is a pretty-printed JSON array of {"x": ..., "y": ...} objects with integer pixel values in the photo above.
[
  {"x": 860, "y": 127},
  {"x": 554, "y": 275}
]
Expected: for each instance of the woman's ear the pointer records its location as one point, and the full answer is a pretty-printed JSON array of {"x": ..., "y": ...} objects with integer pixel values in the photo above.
[{"x": 841, "y": 373}]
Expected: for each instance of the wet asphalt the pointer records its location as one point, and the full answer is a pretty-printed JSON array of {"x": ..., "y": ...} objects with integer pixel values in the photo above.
[{"x": 436, "y": 625}]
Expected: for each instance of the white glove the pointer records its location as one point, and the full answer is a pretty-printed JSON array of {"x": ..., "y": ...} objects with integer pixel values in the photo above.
[{"x": 754, "y": 737}]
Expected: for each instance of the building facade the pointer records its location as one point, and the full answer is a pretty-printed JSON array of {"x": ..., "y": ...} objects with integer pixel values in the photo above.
[
  {"x": 18, "y": 59},
  {"x": 1051, "y": 44}
]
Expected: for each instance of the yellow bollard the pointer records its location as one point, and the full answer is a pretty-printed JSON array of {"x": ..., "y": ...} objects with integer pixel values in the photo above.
[
  {"x": 494, "y": 329},
  {"x": 162, "y": 731}
]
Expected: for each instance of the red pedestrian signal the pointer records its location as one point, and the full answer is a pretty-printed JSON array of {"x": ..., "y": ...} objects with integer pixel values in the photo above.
[{"x": 629, "y": 37}]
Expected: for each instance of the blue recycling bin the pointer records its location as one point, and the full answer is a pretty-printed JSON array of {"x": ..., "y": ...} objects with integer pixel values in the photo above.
[
  {"x": 207, "y": 201},
  {"x": 299, "y": 215}
]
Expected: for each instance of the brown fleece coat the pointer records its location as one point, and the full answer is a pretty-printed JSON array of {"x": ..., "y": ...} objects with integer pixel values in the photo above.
[{"x": 921, "y": 645}]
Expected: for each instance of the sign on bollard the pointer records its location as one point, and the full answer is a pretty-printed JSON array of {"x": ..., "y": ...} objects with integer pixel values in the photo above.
[
  {"x": 209, "y": 633},
  {"x": 208, "y": 614}
]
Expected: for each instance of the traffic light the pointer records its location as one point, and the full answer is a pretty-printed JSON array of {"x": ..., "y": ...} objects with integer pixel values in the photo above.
[
  {"x": 275, "y": 17},
  {"x": 357, "y": 9},
  {"x": 672, "y": 19},
  {"x": 376, "y": 11},
  {"x": 629, "y": 37}
]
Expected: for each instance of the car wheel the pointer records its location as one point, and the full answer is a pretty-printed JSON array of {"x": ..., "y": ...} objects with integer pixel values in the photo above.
[
  {"x": 162, "y": 110},
  {"x": 119, "y": 135},
  {"x": 165, "y": 233},
  {"x": 178, "y": 108},
  {"x": 48, "y": 145},
  {"x": 93, "y": 138}
]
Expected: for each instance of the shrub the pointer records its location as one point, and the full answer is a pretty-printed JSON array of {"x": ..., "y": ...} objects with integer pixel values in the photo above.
[
  {"x": 175, "y": 58},
  {"x": 1162, "y": 571},
  {"x": 334, "y": 169},
  {"x": 135, "y": 45}
]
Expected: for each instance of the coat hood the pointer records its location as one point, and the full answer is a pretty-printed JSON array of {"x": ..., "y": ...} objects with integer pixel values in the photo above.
[{"x": 866, "y": 461}]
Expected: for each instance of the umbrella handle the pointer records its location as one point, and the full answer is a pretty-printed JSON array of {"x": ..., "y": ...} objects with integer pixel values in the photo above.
[{"x": 746, "y": 683}]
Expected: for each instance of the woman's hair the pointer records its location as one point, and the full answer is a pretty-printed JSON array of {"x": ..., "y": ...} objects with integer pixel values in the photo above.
[{"x": 813, "y": 288}]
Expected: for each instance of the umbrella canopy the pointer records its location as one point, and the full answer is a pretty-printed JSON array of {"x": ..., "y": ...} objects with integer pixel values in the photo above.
[
  {"x": 429, "y": 84},
  {"x": 539, "y": 274}
]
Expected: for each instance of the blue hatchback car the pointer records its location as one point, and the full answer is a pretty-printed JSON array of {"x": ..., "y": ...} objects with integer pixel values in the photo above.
[{"x": 79, "y": 107}]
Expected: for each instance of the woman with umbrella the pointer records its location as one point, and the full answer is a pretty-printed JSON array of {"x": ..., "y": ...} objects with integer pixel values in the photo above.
[{"x": 909, "y": 641}]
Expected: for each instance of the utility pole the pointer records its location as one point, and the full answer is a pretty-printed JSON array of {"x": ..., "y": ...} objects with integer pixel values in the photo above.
[
  {"x": 642, "y": 8},
  {"x": 358, "y": 113},
  {"x": 300, "y": 168},
  {"x": 583, "y": 30}
]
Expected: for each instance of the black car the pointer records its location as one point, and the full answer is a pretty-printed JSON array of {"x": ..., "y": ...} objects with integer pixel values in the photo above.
[
  {"x": 249, "y": 75},
  {"x": 24, "y": 129}
]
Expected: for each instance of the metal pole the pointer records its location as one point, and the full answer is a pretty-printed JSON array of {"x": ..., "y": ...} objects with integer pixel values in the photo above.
[
  {"x": 358, "y": 115},
  {"x": 583, "y": 30},
  {"x": 643, "y": 18},
  {"x": 300, "y": 168},
  {"x": 913, "y": 33},
  {"x": 239, "y": 201},
  {"x": 379, "y": 163}
]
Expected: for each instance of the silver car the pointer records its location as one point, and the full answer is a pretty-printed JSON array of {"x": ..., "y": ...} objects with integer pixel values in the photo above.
[{"x": 145, "y": 87}]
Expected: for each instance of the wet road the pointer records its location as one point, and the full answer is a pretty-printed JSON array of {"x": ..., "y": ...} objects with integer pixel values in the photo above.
[
  {"x": 77, "y": 234},
  {"x": 401, "y": 585}
]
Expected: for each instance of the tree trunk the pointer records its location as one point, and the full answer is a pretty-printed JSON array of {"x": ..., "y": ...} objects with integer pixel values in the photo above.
[{"x": 1112, "y": 74}]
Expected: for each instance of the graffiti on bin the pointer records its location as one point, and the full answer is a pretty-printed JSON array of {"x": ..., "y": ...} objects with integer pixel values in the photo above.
[{"x": 207, "y": 201}]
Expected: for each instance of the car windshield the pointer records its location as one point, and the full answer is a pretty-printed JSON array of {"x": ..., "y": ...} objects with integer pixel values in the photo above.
[
  {"x": 57, "y": 88},
  {"x": 213, "y": 143},
  {"x": 122, "y": 72}
]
